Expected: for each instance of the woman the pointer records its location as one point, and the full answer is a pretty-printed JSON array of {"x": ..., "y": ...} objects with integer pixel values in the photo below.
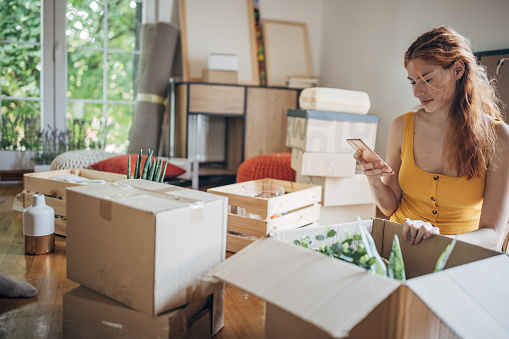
[{"x": 450, "y": 158}]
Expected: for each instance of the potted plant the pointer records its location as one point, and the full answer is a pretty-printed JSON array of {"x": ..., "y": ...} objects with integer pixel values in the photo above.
[{"x": 49, "y": 143}]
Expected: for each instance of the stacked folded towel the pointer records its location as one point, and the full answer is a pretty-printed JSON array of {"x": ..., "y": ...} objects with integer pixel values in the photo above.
[{"x": 334, "y": 100}]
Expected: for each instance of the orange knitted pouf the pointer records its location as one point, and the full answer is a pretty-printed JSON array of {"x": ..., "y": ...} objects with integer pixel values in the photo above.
[{"x": 273, "y": 165}]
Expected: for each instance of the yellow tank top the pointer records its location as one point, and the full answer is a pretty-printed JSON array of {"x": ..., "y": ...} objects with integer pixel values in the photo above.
[{"x": 453, "y": 204}]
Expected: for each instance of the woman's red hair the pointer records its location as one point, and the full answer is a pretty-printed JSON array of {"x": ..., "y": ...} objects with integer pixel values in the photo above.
[{"x": 471, "y": 142}]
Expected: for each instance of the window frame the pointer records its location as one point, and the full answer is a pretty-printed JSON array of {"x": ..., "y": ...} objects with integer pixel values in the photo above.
[{"x": 54, "y": 52}]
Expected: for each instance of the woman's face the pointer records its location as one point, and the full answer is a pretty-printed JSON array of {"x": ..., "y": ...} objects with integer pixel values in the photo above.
[{"x": 433, "y": 85}]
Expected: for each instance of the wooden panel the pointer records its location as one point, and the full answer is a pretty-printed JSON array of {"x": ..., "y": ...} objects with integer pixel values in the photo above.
[
  {"x": 180, "y": 121},
  {"x": 211, "y": 26},
  {"x": 234, "y": 143},
  {"x": 286, "y": 49},
  {"x": 235, "y": 243},
  {"x": 266, "y": 120},
  {"x": 214, "y": 99}
]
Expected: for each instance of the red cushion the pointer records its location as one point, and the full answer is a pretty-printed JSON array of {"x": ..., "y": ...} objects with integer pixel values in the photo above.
[
  {"x": 119, "y": 165},
  {"x": 273, "y": 165}
]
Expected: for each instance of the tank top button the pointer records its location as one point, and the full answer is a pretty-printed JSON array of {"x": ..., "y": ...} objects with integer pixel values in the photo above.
[
  {"x": 436, "y": 177},
  {"x": 432, "y": 198},
  {"x": 434, "y": 212}
]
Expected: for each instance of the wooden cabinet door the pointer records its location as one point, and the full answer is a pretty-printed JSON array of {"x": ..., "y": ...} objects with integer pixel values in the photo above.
[{"x": 266, "y": 120}]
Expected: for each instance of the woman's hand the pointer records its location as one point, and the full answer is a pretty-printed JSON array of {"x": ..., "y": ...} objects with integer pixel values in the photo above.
[
  {"x": 416, "y": 230},
  {"x": 373, "y": 170}
]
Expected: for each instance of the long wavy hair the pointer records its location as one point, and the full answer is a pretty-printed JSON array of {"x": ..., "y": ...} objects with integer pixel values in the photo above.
[{"x": 471, "y": 140}]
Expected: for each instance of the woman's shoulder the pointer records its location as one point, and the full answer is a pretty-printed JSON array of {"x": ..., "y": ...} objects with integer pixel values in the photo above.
[
  {"x": 399, "y": 122},
  {"x": 501, "y": 128}
]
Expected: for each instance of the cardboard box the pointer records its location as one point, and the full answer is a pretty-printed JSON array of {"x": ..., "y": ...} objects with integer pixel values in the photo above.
[
  {"x": 299, "y": 206},
  {"x": 144, "y": 244},
  {"x": 311, "y": 295},
  {"x": 55, "y": 190},
  {"x": 331, "y": 215},
  {"x": 323, "y": 164},
  {"x": 326, "y": 132},
  {"x": 341, "y": 191},
  {"x": 87, "y": 314},
  {"x": 219, "y": 76},
  {"x": 223, "y": 61}
]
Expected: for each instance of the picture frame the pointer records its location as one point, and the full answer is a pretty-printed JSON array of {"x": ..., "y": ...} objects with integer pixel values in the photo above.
[
  {"x": 286, "y": 50},
  {"x": 218, "y": 26}
]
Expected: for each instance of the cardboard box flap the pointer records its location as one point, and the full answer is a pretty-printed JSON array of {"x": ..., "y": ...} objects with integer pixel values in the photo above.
[
  {"x": 421, "y": 259},
  {"x": 472, "y": 300},
  {"x": 321, "y": 115},
  {"x": 145, "y": 195},
  {"x": 319, "y": 281}
]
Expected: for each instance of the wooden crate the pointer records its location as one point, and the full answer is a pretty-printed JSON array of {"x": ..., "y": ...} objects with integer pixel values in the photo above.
[
  {"x": 55, "y": 190},
  {"x": 299, "y": 206}
]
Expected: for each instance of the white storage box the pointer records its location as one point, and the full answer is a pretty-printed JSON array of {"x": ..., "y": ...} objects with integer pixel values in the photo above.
[
  {"x": 334, "y": 100},
  {"x": 323, "y": 164},
  {"x": 224, "y": 62},
  {"x": 326, "y": 132},
  {"x": 87, "y": 314},
  {"x": 341, "y": 191},
  {"x": 331, "y": 215},
  {"x": 144, "y": 244}
]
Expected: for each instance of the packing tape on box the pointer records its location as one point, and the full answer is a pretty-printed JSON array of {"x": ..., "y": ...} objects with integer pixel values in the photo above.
[{"x": 106, "y": 204}]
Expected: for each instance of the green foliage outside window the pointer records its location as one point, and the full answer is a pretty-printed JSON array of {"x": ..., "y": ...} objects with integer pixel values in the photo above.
[{"x": 20, "y": 68}]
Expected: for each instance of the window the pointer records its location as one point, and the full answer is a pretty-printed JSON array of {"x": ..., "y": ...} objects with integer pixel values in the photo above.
[
  {"x": 94, "y": 96},
  {"x": 102, "y": 56},
  {"x": 20, "y": 73}
]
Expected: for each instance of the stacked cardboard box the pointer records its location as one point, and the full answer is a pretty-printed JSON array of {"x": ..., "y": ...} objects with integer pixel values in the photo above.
[
  {"x": 221, "y": 68},
  {"x": 311, "y": 295},
  {"x": 321, "y": 156},
  {"x": 139, "y": 250}
]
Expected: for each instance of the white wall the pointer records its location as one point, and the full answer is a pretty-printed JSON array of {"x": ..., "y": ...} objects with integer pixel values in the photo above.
[
  {"x": 359, "y": 44},
  {"x": 308, "y": 11},
  {"x": 363, "y": 43}
]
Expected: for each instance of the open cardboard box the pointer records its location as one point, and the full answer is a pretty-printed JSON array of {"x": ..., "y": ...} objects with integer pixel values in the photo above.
[
  {"x": 145, "y": 244},
  {"x": 310, "y": 295}
]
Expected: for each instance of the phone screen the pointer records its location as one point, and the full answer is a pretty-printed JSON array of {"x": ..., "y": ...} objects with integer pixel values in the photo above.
[{"x": 367, "y": 153}]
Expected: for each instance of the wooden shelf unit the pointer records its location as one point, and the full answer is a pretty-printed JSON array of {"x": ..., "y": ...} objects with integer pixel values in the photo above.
[{"x": 255, "y": 116}]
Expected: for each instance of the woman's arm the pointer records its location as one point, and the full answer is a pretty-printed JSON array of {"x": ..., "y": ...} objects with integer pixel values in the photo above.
[
  {"x": 495, "y": 209},
  {"x": 386, "y": 192}
]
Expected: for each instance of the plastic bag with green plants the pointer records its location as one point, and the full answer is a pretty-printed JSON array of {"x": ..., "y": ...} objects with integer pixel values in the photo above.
[
  {"x": 153, "y": 170},
  {"x": 360, "y": 250}
]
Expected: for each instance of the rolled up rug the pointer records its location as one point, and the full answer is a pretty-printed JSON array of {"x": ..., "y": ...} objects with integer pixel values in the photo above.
[{"x": 158, "y": 45}]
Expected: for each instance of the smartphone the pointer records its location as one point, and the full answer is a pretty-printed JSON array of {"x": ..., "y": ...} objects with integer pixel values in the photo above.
[{"x": 367, "y": 153}]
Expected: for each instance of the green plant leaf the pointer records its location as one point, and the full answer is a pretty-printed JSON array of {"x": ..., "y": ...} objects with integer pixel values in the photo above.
[
  {"x": 320, "y": 237},
  {"x": 331, "y": 233},
  {"x": 396, "y": 269},
  {"x": 138, "y": 164},
  {"x": 129, "y": 167},
  {"x": 442, "y": 260},
  {"x": 367, "y": 239}
]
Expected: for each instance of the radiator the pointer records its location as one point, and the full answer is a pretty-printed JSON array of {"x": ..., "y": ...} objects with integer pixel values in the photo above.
[{"x": 206, "y": 141}]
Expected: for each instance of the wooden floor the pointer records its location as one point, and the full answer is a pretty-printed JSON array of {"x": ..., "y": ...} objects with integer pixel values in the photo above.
[{"x": 41, "y": 316}]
